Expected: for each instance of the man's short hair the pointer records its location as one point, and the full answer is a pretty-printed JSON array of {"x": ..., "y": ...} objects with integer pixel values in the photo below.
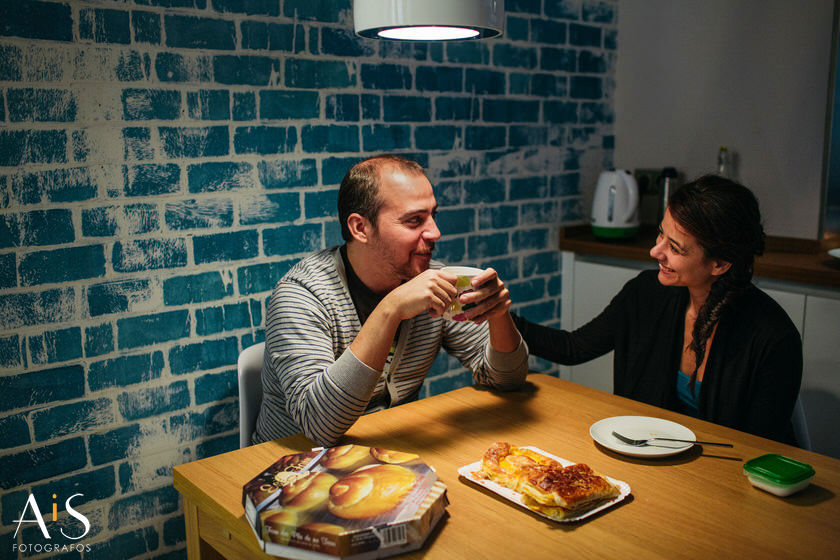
[{"x": 359, "y": 191}]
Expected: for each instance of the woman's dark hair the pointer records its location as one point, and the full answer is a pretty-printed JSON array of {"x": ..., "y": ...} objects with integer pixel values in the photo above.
[
  {"x": 359, "y": 190},
  {"x": 724, "y": 218}
]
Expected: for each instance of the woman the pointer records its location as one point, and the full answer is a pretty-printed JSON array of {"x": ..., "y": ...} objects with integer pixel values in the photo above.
[{"x": 696, "y": 336}]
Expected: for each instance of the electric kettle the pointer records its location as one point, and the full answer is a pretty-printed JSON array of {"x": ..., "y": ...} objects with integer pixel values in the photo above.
[{"x": 615, "y": 207}]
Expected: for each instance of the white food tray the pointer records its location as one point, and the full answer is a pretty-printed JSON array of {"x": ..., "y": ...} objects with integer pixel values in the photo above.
[{"x": 469, "y": 472}]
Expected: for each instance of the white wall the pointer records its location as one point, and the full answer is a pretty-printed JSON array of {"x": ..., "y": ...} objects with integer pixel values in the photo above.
[{"x": 693, "y": 75}]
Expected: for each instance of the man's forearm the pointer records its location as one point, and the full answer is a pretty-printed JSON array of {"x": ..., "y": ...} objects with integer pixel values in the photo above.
[
  {"x": 504, "y": 337},
  {"x": 374, "y": 340}
]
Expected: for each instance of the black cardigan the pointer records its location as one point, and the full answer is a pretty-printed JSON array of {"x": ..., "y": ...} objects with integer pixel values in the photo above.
[{"x": 752, "y": 376}]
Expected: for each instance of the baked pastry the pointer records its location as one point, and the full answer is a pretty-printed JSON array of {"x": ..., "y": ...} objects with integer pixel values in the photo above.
[
  {"x": 308, "y": 492},
  {"x": 546, "y": 486},
  {"x": 347, "y": 457},
  {"x": 370, "y": 491},
  {"x": 278, "y": 526},
  {"x": 391, "y": 456},
  {"x": 504, "y": 464}
]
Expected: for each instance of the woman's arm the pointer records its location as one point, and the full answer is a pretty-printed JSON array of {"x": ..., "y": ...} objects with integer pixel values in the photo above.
[
  {"x": 779, "y": 374},
  {"x": 594, "y": 339}
]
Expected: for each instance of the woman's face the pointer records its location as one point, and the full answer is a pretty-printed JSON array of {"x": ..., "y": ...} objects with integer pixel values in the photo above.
[{"x": 681, "y": 258}]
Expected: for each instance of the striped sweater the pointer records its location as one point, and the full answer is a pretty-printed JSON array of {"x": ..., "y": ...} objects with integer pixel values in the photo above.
[{"x": 312, "y": 382}]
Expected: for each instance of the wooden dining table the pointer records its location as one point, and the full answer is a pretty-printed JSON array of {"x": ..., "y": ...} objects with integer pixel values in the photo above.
[{"x": 695, "y": 504}]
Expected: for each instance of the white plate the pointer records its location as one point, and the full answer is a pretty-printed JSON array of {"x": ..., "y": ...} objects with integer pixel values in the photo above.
[
  {"x": 835, "y": 253},
  {"x": 468, "y": 472},
  {"x": 641, "y": 427}
]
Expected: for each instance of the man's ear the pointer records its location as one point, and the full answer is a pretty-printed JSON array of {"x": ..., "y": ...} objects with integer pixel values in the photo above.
[
  {"x": 719, "y": 268},
  {"x": 359, "y": 227}
]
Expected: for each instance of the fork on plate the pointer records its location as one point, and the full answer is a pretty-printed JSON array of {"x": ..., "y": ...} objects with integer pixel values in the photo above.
[{"x": 640, "y": 442}]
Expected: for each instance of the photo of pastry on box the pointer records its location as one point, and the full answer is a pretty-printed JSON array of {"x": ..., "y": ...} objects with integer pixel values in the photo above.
[{"x": 349, "y": 501}]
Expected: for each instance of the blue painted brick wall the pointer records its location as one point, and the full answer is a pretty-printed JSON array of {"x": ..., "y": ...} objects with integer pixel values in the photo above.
[
  {"x": 56, "y": 346},
  {"x": 124, "y": 370},
  {"x": 68, "y": 419},
  {"x": 164, "y": 162},
  {"x": 104, "y": 26}
]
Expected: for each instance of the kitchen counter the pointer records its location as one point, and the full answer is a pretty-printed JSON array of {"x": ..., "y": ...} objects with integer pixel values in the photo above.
[{"x": 815, "y": 267}]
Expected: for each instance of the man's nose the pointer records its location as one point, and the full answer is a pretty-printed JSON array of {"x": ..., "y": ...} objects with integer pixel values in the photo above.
[{"x": 432, "y": 232}]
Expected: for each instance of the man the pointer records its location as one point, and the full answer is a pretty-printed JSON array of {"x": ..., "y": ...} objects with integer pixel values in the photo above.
[{"x": 354, "y": 329}]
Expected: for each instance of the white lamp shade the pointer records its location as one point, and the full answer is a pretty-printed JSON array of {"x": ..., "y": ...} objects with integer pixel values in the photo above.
[{"x": 429, "y": 20}]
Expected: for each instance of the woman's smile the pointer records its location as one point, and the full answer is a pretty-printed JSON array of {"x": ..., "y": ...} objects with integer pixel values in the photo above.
[{"x": 664, "y": 269}]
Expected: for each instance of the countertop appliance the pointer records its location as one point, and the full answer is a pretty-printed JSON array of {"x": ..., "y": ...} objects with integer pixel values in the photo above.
[{"x": 615, "y": 206}]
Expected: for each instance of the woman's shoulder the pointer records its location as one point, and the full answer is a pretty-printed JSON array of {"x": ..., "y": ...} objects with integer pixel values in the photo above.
[{"x": 760, "y": 312}]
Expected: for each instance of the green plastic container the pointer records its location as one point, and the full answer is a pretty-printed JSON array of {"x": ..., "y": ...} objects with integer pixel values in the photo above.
[{"x": 778, "y": 474}]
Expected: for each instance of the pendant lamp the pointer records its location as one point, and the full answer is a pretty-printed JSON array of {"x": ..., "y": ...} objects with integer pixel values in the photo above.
[{"x": 428, "y": 20}]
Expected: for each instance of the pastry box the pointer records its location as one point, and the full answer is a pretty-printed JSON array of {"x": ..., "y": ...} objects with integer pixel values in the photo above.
[{"x": 351, "y": 502}]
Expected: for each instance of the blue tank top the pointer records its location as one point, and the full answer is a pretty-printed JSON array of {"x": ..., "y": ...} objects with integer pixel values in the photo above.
[{"x": 690, "y": 402}]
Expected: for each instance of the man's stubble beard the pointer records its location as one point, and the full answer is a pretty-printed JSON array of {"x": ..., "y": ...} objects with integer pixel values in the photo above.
[{"x": 388, "y": 259}]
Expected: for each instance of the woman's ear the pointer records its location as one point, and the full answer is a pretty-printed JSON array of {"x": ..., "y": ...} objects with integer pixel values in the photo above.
[
  {"x": 359, "y": 227},
  {"x": 719, "y": 268}
]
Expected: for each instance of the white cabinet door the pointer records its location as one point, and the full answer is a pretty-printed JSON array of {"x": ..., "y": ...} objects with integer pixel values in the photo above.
[
  {"x": 820, "y": 391},
  {"x": 594, "y": 286}
]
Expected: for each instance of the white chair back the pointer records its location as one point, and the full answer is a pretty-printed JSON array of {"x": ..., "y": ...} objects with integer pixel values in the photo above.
[
  {"x": 249, "y": 368},
  {"x": 800, "y": 425}
]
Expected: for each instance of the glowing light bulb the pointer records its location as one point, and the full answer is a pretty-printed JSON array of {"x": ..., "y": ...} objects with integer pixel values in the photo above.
[{"x": 428, "y": 33}]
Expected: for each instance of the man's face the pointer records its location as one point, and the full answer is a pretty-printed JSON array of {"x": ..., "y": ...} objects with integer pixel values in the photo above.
[{"x": 405, "y": 232}]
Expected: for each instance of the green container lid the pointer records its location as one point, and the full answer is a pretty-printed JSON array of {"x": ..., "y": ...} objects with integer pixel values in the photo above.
[{"x": 779, "y": 469}]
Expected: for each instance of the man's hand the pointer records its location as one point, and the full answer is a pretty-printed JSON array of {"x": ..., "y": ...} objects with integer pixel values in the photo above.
[
  {"x": 431, "y": 290},
  {"x": 490, "y": 296},
  {"x": 492, "y": 302}
]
